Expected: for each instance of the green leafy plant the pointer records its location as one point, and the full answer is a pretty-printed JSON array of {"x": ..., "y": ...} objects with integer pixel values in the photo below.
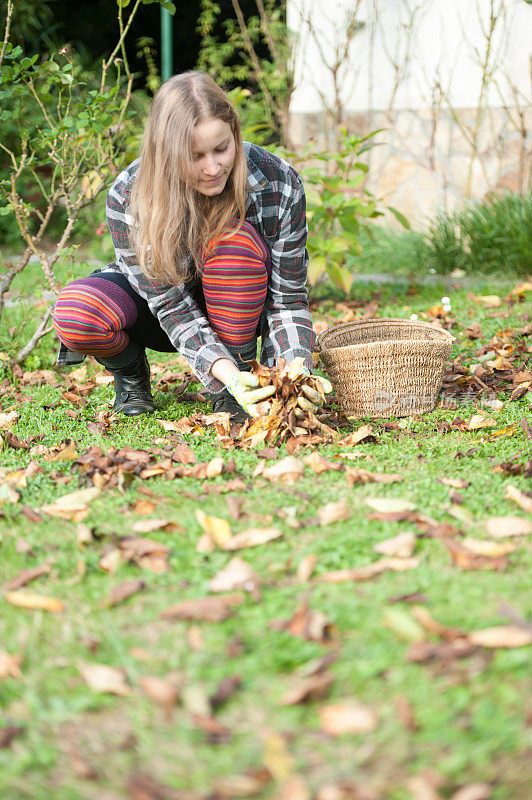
[
  {"x": 339, "y": 209},
  {"x": 66, "y": 143},
  {"x": 484, "y": 236}
]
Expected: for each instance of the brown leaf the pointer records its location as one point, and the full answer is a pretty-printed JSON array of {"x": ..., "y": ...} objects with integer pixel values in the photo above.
[
  {"x": 183, "y": 454},
  {"x": 405, "y": 712},
  {"x": 364, "y": 432},
  {"x": 101, "y": 678},
  {"x": 486, "y": 547},
  {"x": 479, "y": 421},
  {"x": 215, "y": 730},
  {"x": 234, "y": 506},
  {"x": 456, "y": 483},
  {"x": 144, "y": 507},
  {"x": 473, "y": 791},
  {"x": 124, "y": 591},
  {"x": 365, "y": 476},
  {"x": 26, "y": 576},
  {"x": 149, "y": 525},
  {"x": 507, "y": 636},
  {"x": 207, "y": 609},
  {"x": 501, "y": 527},
  {"x": 464, "y": 558},
  {"x": 225, "y": 689},
  {"x": 308, "y": 624},
  {"x": 34, "y": 601},
  {"x": 10, "y": 665},
  {"x": 249, "y": 784},
  {"x": 146, "y": 553},
  {"x": 522, "y": 499},
  {"x": 237, "y": 575},
  {"x": 160, "y": 691},
  {"x": 401, "y": 546},
  {"x": 66, "y": 451},
  {"x": 305, "y": 568},
  {"x": 313, "y": 687},
  {"x": 73, "y": 506},
  {"x": 369, "y": 571},
  {"x": 9, "y": 733},
  {"x": 286, "y": 471},
  {"x": 333, "y": 512},
  {"x": 347, "y": 718},
  {"x": 431, "y": 625},
  {"x": 141, "y": 786},
  {"x": 318, "y": 464},
  {"x": 252, "y": 537}
]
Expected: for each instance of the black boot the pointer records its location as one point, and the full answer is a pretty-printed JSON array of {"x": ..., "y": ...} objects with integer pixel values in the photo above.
[
  {"x": 132, "y": 385},
  {"x": 224, "y": 401}
]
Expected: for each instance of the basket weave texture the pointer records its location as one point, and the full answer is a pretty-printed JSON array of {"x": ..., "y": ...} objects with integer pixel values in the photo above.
[{"x": 385, "y": 367}]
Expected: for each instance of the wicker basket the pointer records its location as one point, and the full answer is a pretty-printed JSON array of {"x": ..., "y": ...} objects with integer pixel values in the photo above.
[{"x": 385, "y": 367}]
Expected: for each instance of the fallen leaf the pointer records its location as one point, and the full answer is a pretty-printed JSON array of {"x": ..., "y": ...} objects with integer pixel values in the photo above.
[
  {"x": 479, "y": 421},
  {"x": 319, "y": 464},
  {"x": 149, "y": 525},
  {"x": 365, "y": 476},
  {"x": 225, "y": 689},
  {"x": 347, "y": 789},
  {"x": 522, "y": 499},
  {"x": 401, "y": 546},
  {"x": 369, "y": 571},
  {"x": 10, "y": 665},
  {"x": 306, "y": 566},
  {"x": 160, "y": 691},
  {"x": 484, "y": 547},
  {"x": 207, "y": 609},
  {"x": 347, "y": 718},
  {"x": 249, "y": 784},
  {"x": 507, "y": 636},
  {"x": 65, "y": 452},
  {"x": 311, "y": 625},
  {"x": 313, "y": 687},
  {"x": 215, "y": 467},
  {"x": 252, "y": 537},
  {"x": 389, "y": 505},
  {"x": 195, "y": 638},
  {"x": 456, "y": 483},
  {"x": 101, "y": 678},
  {"x": 217, "y": 733},
  {"x": 144, "y": 506},
  {"x": 364, "y": 432},
  {"x": 403, "y": 624},
  {"x": 466, "y": 558},
  {"x": 405, "y": 712},
  {"x": 238, "y": 574},
  {"x": 333, "y": 512},
  {"x": 26, "y": 576},
  {"x": 124, "y": 591},
  {"x": 146, "y": 553},
  {"x": 431, "y": 625},
  {"x": 473, "y": 791},
  {"x": 34, "y": 601},
  {"x": 276, "y": 758},
  {"x": 217, "y": 529},
  {"x": 73, "y": 506},
  {"x": 8, "y": 419},
  {"x": 286, "y": 471},
  {"x": 183, "y": 454},
  {"x": 501, "y": 527},
  {"x": 295, "y": 788},
  {"x": 8, "y": 734}
]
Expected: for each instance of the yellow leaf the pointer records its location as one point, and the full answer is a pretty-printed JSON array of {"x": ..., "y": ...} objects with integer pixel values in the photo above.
[
  {"x": 216, "y": 528},
  {"x": 34, "y": 601},
  {"x": 501, "y": 636}
]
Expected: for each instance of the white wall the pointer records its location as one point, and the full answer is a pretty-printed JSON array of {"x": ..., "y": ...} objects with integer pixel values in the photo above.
[{"x": 445, "y": 34}]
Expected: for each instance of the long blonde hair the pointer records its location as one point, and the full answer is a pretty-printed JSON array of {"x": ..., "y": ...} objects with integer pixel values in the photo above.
[{"x": 172, "y": 221}]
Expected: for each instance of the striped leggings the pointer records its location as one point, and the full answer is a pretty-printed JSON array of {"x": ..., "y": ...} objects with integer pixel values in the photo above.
[{"x": 101, "y": 314}]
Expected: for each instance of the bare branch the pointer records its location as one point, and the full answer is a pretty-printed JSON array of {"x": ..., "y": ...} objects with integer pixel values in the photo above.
[
  {"x": 10, "y": 7},
  {"x": 41, "y": 331}
]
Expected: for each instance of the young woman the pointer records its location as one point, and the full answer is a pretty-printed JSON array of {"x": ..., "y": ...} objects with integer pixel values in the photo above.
[{"x": 209, "y": 235}]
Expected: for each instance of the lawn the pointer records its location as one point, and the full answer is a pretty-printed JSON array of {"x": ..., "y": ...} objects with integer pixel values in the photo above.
[{"x": 389, "y": 697}]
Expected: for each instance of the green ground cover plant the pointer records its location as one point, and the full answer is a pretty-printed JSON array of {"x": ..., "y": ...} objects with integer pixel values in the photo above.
[{"x": 200, "y": 708}]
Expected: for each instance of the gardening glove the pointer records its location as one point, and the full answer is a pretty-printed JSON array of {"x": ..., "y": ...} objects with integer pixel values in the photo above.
[
  {"x": 244, "y": 389},
  {"x": 312, "y": 399}
]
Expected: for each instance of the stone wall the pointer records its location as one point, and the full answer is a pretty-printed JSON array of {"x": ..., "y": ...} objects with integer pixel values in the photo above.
[{"x": 423, "y": 160}]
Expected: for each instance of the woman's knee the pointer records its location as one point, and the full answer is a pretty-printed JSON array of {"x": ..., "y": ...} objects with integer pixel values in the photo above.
[{"x": 92, "y": 311}]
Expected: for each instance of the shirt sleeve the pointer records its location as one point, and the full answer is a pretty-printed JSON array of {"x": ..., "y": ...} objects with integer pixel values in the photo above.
[
  {"x": 179, "y": 316},
  {"x": 290, "y": 333}
]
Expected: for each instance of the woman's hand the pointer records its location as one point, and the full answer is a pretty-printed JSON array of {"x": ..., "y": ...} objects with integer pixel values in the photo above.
[{"x": 244, "y": 386}]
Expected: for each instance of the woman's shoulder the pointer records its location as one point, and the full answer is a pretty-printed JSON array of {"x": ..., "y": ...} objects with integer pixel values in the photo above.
[
  {"x": 122, "y": 184},
  {"x": 266, "y": 166}
]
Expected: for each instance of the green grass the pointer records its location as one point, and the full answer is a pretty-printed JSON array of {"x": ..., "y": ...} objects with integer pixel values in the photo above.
[{"x": 471, "y": 717}]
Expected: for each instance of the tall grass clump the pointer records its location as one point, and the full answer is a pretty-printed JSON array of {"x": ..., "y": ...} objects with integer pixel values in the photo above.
[{"x": 484, "y": 236}]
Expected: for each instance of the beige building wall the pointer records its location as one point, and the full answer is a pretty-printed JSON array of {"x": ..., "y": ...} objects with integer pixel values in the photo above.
[{"x": 447, "y": 80}]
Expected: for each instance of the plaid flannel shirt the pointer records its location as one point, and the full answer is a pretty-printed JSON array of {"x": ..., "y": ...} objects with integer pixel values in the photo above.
[{"x": 276, "y": 207}]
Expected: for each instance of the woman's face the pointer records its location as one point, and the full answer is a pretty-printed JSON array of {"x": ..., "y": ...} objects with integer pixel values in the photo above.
[{"x": 214, "y": 155}]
